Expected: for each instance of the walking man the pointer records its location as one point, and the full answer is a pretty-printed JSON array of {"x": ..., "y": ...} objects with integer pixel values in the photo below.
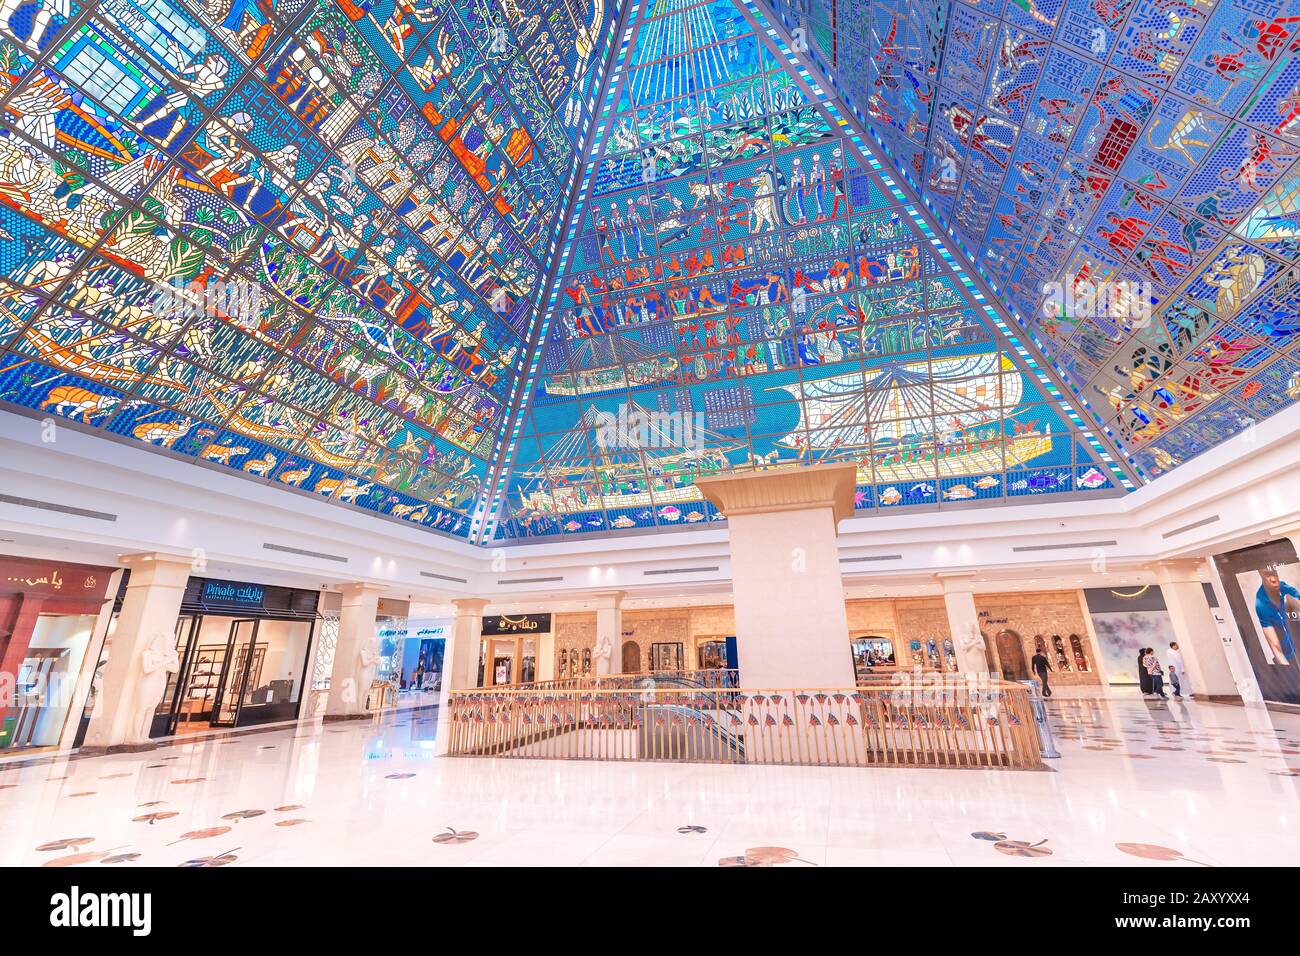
[{"x": 1041, "y": 667}]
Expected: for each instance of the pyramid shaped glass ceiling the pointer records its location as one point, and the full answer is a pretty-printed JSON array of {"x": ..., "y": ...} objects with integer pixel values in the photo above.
[
  {"x": 743, "y": 287},
  {"x": 384, "y": 253}
]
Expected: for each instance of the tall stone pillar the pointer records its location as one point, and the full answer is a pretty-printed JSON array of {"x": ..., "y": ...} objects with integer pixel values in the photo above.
[
  {"x": 964, "y": 623},
  {"x": 459, "y": 661},
  {"x": 791, "y": 627},
  {"x": 609, "y": 632},
  {"x": 1197, "y": 634},
  {"x": 356, "y": 653},
  {"x": 148, "y": 619}
]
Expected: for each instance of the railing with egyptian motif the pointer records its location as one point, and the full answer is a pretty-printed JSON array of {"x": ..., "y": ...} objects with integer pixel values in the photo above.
[
  {"x": 943, "y": 723},
  {"x": 710, "y": 678}
]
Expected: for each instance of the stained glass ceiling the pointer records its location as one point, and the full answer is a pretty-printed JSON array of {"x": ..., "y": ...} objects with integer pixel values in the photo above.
[
  {"x": 508, "y": 269},
  {"x": 744, "y": 287},
  {"x": 1075, "y": 145},
  {"x": 300, "y": 239}
]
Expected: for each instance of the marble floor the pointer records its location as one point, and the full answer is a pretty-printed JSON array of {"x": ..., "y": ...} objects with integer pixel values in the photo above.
[{"x": 1138, "y": 784}]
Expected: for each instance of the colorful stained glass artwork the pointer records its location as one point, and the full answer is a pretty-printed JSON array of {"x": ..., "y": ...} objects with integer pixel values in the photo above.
[
  {"x": 1066, "y": 145},
  {"x": 741, "y": 289},
  {"x": 299, "y": 239},
  {"x": 506, "y": 268}
]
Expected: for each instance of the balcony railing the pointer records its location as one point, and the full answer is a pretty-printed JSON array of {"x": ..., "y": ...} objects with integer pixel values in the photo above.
[
  {"x": 948, "y": 723},
  {"x": 712, "y": 677}
]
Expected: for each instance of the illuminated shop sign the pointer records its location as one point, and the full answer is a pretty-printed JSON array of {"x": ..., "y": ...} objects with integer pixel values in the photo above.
[
  {"x": 232, "y": 592},
  {"x": 517, "y": 624}
]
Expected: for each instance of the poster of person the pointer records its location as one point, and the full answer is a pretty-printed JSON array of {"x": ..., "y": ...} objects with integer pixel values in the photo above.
[
  {"x": 1274, "y": 600},
  {"x": 1263, "y": 588},
  {"x": 422, "y": 656}
]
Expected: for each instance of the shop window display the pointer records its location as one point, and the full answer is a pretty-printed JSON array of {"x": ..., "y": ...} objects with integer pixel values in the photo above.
[
  {"x": 46, "y": 681},
  {"x": 712, "y": 655},
  {"x": 51, "y": 616},
  {"x": 1058, "y": 649},
  {"x": 1080, "y": 658},
  {"x": 872, "y": 654},
  {"x": 667, "y": 656}
]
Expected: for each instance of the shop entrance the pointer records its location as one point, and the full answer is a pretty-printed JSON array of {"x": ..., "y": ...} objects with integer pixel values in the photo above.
[
  {"x": 213, "y": 681},
  {"x": 234, "y": 672},
  {"x": 514, "y": 660},
  {"x": 666, "y": 657},
  {"x": 872, "y": 653}
]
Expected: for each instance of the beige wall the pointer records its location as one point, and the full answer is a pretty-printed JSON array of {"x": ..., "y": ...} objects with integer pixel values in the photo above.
[
  {"x": 659, "y": 626},
  {"x": 902, "y": 620},
  {"x": 1044, "y": 613}
]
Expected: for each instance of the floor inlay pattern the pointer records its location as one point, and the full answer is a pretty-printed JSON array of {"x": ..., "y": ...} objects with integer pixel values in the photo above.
[{"x": 1138, "y": 784}]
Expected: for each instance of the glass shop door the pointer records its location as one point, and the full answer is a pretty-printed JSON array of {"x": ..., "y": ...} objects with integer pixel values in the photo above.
[
  {"x": 666, "y": 656},
  {"x": 241, "y": 650}
]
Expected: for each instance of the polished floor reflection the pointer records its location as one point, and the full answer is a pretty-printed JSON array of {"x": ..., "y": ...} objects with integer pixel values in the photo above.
[{"x": 1137, "y": 783}]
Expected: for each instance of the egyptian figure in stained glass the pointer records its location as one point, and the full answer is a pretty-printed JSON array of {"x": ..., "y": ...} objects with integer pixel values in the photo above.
[{"x": 164, "y": 118}]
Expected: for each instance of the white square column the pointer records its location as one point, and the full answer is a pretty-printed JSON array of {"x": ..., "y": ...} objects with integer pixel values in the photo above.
[
  {"x": 459, "y": 662},
  {"x": 1197, "y": 634},
  {"x": 142, "y": 653},
  {"x": 792, "y": 630},
  {"x": 608, "y": 654}
]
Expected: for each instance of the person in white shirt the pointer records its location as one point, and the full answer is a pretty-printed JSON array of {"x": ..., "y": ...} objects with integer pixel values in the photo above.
[{"x": 1177, "y": 670}]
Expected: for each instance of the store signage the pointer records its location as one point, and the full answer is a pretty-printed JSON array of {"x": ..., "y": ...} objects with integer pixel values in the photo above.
[
  {"x": 232, "y": 592},
  {"x": 18, "y": 575},
  {"x": 517, "y": 624}
]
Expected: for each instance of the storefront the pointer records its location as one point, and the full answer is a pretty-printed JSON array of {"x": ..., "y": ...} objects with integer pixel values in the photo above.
[
  {"x": 422, "y": 657},
  {"x": 872, "y": 654},
  {"x": 244, "y": 650},
  {"x": 510, "y": 648},
  {"x": 53, "y": 616},
  {"x": 715, "y": 652}
]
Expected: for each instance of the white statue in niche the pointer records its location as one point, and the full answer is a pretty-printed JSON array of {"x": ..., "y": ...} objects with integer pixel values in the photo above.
[
  {"x": 157, "y": 660},
  {"x": 971, "y": 641},
  {"x": 368, "y": 656},
  {"x": 603, "y": 652}
]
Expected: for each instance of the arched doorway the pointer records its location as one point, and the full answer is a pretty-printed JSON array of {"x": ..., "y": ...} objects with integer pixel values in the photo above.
[
  {"x": 1011, "y": 654},
  {"x": 631, "y": 657}
]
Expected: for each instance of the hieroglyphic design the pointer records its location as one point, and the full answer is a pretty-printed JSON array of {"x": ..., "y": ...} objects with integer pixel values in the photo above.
[
  {"x": 1070, "y": 143},
  {"x": 299, "y": 239},
  {"x": 736, "y": 274}
]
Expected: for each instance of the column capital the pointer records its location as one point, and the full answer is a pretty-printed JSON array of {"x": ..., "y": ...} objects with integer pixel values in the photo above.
[
  {"x": 360, "y": 588},
  {"x": 1178, "y": 570},
  {"x": 469, "y": 607},
  {"x": 157, "y": 568},
  {"x": 959, "y": 582},
  {"x": 783, "y": 489},
  {"x": 608, "y": 599}
]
